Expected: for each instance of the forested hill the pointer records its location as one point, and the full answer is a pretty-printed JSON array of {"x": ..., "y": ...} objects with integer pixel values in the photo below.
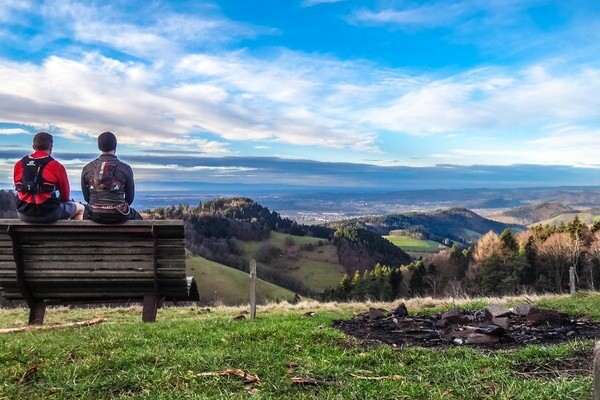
[
  {"x": 211, "y": 226},
  {"x": 455, "y": 224}
]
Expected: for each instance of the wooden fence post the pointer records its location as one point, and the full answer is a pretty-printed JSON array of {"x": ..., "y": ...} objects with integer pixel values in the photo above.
[
  {"x": 252, "y": 289},
  {"x": 597, "y": 371}
]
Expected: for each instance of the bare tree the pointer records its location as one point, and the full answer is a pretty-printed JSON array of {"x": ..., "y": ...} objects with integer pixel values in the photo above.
[
  {"x": 486, "y": 247},
  {"x": 559, "y": 252},
  {"x": 594, "y": 251}
]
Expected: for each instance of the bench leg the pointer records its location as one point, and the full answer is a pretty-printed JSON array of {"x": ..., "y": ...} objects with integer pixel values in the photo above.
[
  {"x": 149, "y": 309},
  {"x": 37, "y": 311}
]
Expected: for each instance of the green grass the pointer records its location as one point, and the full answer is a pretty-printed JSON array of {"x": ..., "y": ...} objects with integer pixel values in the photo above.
[
  {"x": 318, "y": 269},
  {"x": 318, "y": 275},
  {"x": 278, "y": 239},
  {"x": 408, "y": 243},
  {"x": 218, "y": 283},
  {"x": 127, "y": 359}
]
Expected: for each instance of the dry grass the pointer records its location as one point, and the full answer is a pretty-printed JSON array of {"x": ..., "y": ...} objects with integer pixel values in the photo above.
[{"x": 18, "y": 317}]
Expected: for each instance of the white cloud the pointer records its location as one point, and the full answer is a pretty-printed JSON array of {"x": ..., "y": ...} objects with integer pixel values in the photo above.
[
  {"x": 490, "y": 100},
  {"x": 8, "y": 8},
  {"x": 310, "y": 3},
  {"x": 150, "y": 31},
  {"x": 12, "y": 131},
  {"x": 430, "y": 15}
]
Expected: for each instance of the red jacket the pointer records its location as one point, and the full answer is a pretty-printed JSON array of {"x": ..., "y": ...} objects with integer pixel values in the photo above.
[{"x": 54, "y": 173}]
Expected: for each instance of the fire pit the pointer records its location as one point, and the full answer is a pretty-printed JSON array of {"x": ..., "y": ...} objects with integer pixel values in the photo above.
[{"x": 495, "y": 327}]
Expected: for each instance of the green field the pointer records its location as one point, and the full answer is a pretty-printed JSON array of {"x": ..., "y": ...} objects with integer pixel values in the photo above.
[
  {"x": 278, "y": 239},
  {"x": 408, "y": 243},
  {"x": 181, "y": 355},
  {"x": 317, "y": 269},
  {"x": 218, "y": 283},
  {"x": 318, "y": 275}
]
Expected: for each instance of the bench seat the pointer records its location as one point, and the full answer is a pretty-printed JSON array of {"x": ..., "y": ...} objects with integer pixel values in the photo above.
[{"x": 81, "y": 261}]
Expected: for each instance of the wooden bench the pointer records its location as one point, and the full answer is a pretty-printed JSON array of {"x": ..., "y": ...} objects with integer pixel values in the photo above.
[{"x": 80, "y": 261}]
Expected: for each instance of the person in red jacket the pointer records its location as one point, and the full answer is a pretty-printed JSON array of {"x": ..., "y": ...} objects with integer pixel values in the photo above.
[{"x": 37, "y": 177}]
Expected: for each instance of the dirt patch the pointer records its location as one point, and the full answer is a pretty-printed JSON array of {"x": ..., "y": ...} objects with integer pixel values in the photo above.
[
  {"x": 494, "y": 328},
  {"x": 572, "y": 367}
]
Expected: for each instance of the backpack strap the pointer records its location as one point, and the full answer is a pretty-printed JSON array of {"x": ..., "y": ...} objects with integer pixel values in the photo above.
[
  {"x": 103, "y": 176},
  {"x": 32, "y": 180}
]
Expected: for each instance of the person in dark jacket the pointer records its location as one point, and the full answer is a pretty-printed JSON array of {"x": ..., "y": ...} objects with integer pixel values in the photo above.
[
  {"x": 108, "y": 186},
  {"x": 37, "y": 177}
]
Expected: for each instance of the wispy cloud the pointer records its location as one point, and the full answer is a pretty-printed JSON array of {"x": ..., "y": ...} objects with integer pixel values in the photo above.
[
  {"x": 148, "y": 30},
  {"x": 429, "y": 16},
  {"x": 310, "y": 3},
  {"x": 491, "y": 100},
  {"x": 8, "y": 8},
  {"x": 12, "y": 131}
]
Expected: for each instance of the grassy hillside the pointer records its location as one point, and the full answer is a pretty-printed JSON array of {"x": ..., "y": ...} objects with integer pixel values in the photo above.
[
  {"x": 219, "y": 284},
  {"x": 317, "y": 266},
  {"x": 534, "y": 213},
  {"x": 408, "y": 243},
  {"x": 180, "y": 357},
  {"x": 585, "y": 217}
]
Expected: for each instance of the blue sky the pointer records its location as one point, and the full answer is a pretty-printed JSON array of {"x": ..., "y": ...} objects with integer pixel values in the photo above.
[{"x": 394, "y": 84}]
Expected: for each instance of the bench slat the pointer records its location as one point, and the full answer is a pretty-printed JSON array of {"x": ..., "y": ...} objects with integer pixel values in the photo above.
[
  {"x": 84, "y": 261},
  {"x": 163, "y": 264}
]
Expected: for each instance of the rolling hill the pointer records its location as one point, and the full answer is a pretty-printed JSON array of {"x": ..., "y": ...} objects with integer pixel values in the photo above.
[
  {"x": 535, "y": 213},
  {"x": 458, "y": 225}
]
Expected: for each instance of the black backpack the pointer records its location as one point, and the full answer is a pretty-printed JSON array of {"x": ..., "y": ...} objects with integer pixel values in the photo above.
[
  {"x": 32, "y": 181},
  {"x": 104, "y": 176}
]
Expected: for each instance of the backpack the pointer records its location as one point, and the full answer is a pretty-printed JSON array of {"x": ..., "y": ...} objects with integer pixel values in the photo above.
[
  {"x": 103, "y": 178},
  {"x": 32, "y": 181}
]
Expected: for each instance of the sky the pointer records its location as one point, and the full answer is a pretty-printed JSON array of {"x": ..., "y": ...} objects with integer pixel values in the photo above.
[{"x": 324, "y": 93}]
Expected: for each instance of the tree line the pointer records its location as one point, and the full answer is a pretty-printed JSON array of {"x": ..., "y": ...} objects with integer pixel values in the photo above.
[{"x": 536, "y": 260}]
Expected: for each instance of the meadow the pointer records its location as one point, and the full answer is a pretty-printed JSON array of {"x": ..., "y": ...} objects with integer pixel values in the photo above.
[
  {"x": 218, "y": 283},
  {"x": 288, "y": 352}
]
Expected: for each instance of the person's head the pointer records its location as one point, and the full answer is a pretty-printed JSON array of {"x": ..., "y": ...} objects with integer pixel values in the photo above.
[
  {"x": 43, "y": 141},
  {"x": 107, "y": 142}
]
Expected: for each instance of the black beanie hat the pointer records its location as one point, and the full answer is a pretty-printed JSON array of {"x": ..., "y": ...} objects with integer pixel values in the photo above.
[{"x": 107, "y": 141}]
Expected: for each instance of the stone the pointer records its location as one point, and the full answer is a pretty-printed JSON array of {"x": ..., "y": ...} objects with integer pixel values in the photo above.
[
  {"x": 400, "y": 311},
  {"x": 540, "y": 315},
  {"x": 522, "y": 309},
  {"x": 503, "y": 322},
  {"x": 441, "y": 323},
  {"x": 481, "y": 338},
  {"x": 376, "y": 313},
  {"x": 493, "y": 330},
  {"x": 496, "y": 311},
  {"x": 454, "y": 317}
]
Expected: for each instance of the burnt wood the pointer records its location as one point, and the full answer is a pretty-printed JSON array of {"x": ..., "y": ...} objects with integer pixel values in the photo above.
[{"x": 81, "y": 261}]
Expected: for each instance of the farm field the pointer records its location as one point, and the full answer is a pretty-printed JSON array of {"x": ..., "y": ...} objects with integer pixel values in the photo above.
[
  {"x": 196, "y": 353},
  {"x": 412, "y": 245}
]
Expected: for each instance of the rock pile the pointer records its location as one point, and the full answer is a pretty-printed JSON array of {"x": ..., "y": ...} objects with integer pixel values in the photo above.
[{"x": 496, "y": 327}]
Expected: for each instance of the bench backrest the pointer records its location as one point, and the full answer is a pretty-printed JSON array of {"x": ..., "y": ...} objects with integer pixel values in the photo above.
[{"x": 82, "y": 260}]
